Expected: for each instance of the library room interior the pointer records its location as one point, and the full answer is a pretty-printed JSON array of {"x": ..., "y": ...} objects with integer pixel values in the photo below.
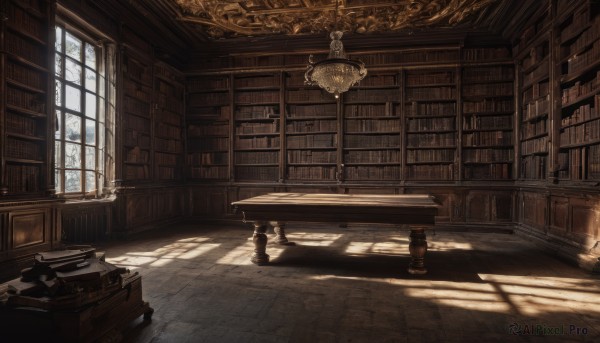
[{"x": 299, "y": 171}]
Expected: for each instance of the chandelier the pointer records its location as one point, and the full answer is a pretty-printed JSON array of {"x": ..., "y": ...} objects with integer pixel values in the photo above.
[{"x": 336, "y": 74}]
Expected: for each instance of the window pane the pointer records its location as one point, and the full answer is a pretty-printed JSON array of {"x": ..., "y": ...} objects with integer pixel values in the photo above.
[
  {"x": 72, "y": 128},
  {"x": 57, "y": 153},
  {"x": 59, "y": 127},
  {"x": 90, "y": 56},
  {"x": 90, "y": 105},
  {"x": 58, "y": 43},
  {"x": 58, "y": 65},
  {"x": 58, "y": 91},
  {"x": 72, "y": 180},
  {"x": 90, "y": 132},
  {"x": 73, "y": 98},
  {"x": 90, "y": 181},
  {"x": 72, "y": 71},
  {"x": 57, "y": 181},
  {"x": 72, "y": 155},
  {"x": 90, "y": 80},
  {"x": 73, "y": 46},
  {"x": 90, "y": 157}
]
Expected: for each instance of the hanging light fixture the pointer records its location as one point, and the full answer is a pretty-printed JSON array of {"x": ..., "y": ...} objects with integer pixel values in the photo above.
[{"x": 336, "y": 74}]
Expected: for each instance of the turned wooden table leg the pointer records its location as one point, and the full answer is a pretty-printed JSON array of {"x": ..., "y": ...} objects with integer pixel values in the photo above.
[
  {"x": 260, "y": 239},
  {"x": 280, "y": 238},
  {"x": 417, "y": 248}
]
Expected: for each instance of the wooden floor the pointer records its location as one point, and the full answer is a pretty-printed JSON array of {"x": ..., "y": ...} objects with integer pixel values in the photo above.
[{"x": 351, "y": 285}]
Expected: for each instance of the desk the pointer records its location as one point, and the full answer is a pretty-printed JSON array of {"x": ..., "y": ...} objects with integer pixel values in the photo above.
[{"x": 418, "y": 211}]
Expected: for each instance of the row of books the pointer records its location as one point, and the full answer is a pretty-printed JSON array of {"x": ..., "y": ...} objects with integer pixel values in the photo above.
[
  {"x": 372, "y": 141},
  {"x": 487, "y": 155},
  {"x": 533, "y": 167},
  {"x": 581, "y": 19},
  {"x": 431, "y": 109},
  {"x": 256, "y": 112},
  {"x": 478, "y": 54},
  {"x": 170, "y": 116},
  {"x": 488, "y": 90},
  {"x": 580, "y": 89},
  {"x": 257, "y": 128},
  {"x": 200, "y": 84},
  {"x": 22, "y": 125},
  {"x": 257, "y": 142},
  {"x": 257, "y": 81},
  {"x": 211, "y": 112},
  {"x": 19, "y": 19},
  {"x": 18, "y": 46},
  {"x": 137, "y": 107},
  {"x": 376, "y": 80},
  {"x": 208, "y": 99},
  {"x": 162, "y": 159},
  {"x": 586, "y": 38},
  {"x": 137, "y": 123},
  {"x": 18, "y": 148},
  {"x": 496, "y": 171},
  {"x": 168, "y": 131},
  {"x": 372, "y": 172},
  {"x": 372, "y": 95},
  {"x": 540, "y": 71},
  {"x": 536, "y": 109},
  {"x": 136, "y": 71},
  {"x": 26, "y": 76},
  {"x": 362, "y": 156},
  {"x": 168, "y": 73},
  {"x": 581, "y": 133},
  {"x": 306, "y": 95},
  {"x": 140, "y": 92},
  {"x": 429, "y": 78},
  {"x": 137, "y": 155},
  {"x": 136, "y": 172},
  {"x": 430, "y": 172},
  {"x": 409, "y": 57},
  {"x": 593, "y": 163},
  {"x": 476, "y": 122},
  {"x": 431, "y": 93},
  {"x": 210, "y": 172},
  {"x": 310, "y": 156},
  {"x": 172, "y": 103},
  {"x": 500, "y": 138},
  {"x": 207, "y": 158},
  {"x": 431, "y": 140},
  {"x": 28, "y": 101},
  {"x": 488, "y": 105},
  {"x": 580, "y": 62},
  {"x": 209, "y": 144},
  {"x": 168, "y": 145},
  {"x": 531, "y": 129},
  {"x": 316, "y": 141},
  {"x": 429, "y": 124},
  {"x": 252, "y": 97},
  {"x": 538, "y": 89},
  {"x": 370, "y": 110},
  {"x": 308, "y": 126},
  {"x": 256, "y": 157},
  {"x": 256, "y": 61},
  {"x": 295, "y": 80},
  {"x": 582, "y": 113},
  {"x": 136, "y": 138},
  {"x": 488, "y": 74},
  {"x": 23, "y": 178},
  {"x": 257, "y": 173},
  {"x": 536, "y": 54},
  {"x": 380, "y": 125},
  {"x": 167, "y": 173},
  {"x": 311, "y": 173},
  {"x": 430, "y": 155},
  {"x": 531, "y": 31},
  {"x": 534, "y": 146},
  {"x": 311, "y": 110}
]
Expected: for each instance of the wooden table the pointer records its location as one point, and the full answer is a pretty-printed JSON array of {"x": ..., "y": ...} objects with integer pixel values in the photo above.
[{"x": 418, "y": 211}]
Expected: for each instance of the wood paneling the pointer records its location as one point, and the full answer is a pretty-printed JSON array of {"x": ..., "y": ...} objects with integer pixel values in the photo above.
[
  {"x": 559, "y": 214},
  {"x": 28, "y": 228},
  {"x": 533, "y": 207},
  {"x": 584, "y": 219}
]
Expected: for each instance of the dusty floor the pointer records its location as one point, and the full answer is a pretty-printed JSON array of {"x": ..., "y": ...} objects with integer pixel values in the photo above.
[{"x": 351, "y": 285}]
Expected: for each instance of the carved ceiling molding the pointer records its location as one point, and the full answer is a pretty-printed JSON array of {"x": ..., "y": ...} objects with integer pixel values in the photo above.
[{"x": 233, "y": 18}]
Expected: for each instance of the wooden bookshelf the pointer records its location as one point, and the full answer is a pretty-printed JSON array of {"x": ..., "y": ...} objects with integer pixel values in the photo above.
[
  {"x": 257, "y": 141},
  {"x": 487, "y": 122},
  {"x": 25, "y": 165},
  {"x": 137, "y": 117},
  {"x": 168, "y": 122},
  {"x": 533, "y": 57},
  {"x": 578, "y": 50},
  {"x": 208, "y": 130},
  {"x": 431, "y": 112},
  {"x": 311, "y": 131},
  {"x": 372, "y": 129}
]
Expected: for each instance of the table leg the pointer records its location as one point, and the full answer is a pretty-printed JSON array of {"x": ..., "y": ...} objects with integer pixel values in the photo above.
[
  {"x": 417, "y": 248},
  {"x": 260, "y": 239},
  {"x": 280, "y": 238}
]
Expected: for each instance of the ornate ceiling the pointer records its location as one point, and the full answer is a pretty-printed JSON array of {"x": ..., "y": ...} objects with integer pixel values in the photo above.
[{"x": 238, "y": 18}]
